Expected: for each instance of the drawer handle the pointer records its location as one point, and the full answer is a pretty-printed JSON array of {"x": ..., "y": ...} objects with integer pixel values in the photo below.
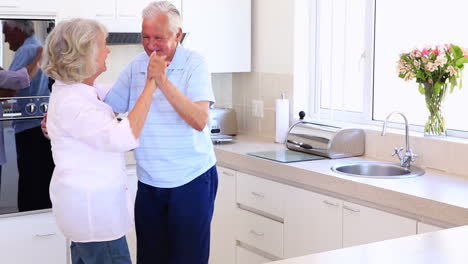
[
  {"x": 256, "y": 233},
  {"x": 46, "y": 234},
  {"x": 259, "y": 195},
  {"x": 8, "y": 6},
  {"x": 351, "y": 209},
  {"x": 228, "y": 173},
  {"x": 330, "y": 203}
]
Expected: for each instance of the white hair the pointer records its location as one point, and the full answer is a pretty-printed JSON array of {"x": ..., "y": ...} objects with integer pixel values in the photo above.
[
  {"x": 25, "y": 26},
  {"x": 70, "y": 50},
  {"x": 155, "y": 8}
]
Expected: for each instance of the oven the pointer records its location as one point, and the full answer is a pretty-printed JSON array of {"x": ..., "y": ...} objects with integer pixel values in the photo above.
[{"x": 25, "y": 155}]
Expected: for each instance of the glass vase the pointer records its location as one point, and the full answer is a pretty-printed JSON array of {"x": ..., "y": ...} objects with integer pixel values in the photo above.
[{"x": 435, "y": 125}]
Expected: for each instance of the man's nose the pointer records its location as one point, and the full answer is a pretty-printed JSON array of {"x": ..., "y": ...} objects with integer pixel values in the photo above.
[{"x": 153, "y": 44}]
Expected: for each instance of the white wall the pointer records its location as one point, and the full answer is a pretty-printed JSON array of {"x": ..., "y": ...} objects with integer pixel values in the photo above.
[{"x": 272, "y": 66}]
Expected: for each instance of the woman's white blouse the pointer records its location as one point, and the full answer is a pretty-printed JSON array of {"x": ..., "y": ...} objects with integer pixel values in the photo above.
[{"x": 89, "y": 185}]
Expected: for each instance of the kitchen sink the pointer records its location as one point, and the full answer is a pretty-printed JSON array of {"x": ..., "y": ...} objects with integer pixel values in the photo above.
[{"x": 376, "y": 169}]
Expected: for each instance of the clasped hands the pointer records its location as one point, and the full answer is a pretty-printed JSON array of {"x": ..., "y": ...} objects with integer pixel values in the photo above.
[{"x": 157, "y": 70}]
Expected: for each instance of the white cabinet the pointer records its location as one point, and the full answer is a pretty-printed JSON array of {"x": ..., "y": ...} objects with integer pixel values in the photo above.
[
  {"x": 23, "y": 8},
  {"x": 116, "y": 15},
  {"x": 245, "y": 256},
  {"x": 221, "y": 31},
  {"x": 313, "y": 223},
  {"x": 33, "y": 238},
  {"x": 223, "y": 242},
  {"x": 363, "y": 225},
  {"x": 132, "y": 188},
  {"x": 426, "y": 228}
]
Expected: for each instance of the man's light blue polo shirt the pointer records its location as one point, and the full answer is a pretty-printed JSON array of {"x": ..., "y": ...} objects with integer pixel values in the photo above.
[
  {"x": 171, "y": 152},
  {"x": 39, "y": 85}
]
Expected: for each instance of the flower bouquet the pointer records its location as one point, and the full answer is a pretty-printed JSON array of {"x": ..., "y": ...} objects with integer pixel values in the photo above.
[{"x": 438, "y": 70}]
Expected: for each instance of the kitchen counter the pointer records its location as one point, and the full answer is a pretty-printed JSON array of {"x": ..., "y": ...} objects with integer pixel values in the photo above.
[
  {"x": 435, "y": 197},
  {"x": 442, "y": 247}
]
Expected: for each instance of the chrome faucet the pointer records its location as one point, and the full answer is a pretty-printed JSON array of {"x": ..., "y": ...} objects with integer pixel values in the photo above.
[{"x": 407, "y": 157}]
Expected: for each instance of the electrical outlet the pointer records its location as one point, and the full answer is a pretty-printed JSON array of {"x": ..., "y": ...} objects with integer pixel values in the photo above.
[{"x": 257, "y": 108}]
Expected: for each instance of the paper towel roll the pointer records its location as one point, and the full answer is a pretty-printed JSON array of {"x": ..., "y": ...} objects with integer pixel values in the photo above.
[{"x": 282, "y": 120}]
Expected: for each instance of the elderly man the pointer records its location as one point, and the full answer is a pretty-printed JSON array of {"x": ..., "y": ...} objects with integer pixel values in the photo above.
[
  {"x": 175, "y": 161},
  {"x": 34, "y": 157}
]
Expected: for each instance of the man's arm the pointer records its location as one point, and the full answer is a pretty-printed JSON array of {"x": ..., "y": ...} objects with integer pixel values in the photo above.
[
  {"x": 14, "y": 80},
  {"x": 196, "y": 114},
  {"x": 19, "y": 79}
]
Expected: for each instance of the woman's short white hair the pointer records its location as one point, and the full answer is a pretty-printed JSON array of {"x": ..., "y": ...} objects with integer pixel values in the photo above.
[
  {"x": 71, "y": 48},
  {"x": 158, "y": 7},
  {"x": 25, "y": 26}
]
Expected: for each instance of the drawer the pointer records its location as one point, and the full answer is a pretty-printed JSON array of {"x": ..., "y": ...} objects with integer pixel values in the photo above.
[
  {"x": 260, "y": 194},
  {"x": 260, "y": 232},
  {"x": 244, "y": 256}
]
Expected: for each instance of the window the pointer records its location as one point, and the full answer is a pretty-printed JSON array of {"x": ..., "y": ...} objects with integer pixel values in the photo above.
[{"x": 357, "y": 46}]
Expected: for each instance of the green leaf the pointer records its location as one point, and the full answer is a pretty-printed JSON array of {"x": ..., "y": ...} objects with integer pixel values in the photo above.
[
  {"x": 437, "y": 87},
  {"x": 461, "y": 61},
  {"x": 421, "y": 88},
  {"x": 457, "y": 51}
]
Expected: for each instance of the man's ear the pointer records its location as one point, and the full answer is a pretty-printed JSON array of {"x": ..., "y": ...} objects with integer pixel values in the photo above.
[{"x": 179, "y": 35}]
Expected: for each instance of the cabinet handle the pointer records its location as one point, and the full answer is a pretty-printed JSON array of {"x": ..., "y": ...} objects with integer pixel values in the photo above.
[
  {"x": 256, "y": 233},
  {"x": 104, "y": 15},
  {"x": 330, "y": 203},
  {"x": 228, "y": 173},
  {"x": 259, "y": 195},
  {"x": 8, "y": 6},
  {"x": 351, "y": 209},
  {"x": 46, "y": 234},
  {"x": 127, "y": 15}
]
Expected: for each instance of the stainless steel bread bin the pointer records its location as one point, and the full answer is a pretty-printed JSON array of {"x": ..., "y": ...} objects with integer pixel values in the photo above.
[{"x": 328, "y": 141}]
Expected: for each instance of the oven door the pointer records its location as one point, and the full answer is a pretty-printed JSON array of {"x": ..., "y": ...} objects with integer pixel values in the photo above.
[{"x": 25, "y": 155}]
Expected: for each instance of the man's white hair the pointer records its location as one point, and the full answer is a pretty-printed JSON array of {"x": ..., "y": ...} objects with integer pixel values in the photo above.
[
  {"x": 25, "y": 26},
  {"x": 155, "y": 8}
]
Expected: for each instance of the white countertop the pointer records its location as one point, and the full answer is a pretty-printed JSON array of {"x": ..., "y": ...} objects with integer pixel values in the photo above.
[{"x": 442, "y": 247}]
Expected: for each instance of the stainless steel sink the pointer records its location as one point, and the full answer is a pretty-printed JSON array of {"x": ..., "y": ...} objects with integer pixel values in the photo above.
[{"x": 376, "y": 169}]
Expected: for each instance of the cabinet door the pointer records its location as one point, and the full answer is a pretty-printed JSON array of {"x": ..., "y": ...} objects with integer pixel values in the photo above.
[
  {"x": 245, "y": 256},
  {"x": 32, "y": 238},
  {"x": 223, "y": 242},
  {"x": 313, "y": 223},
  {"x": 132, "y": 188},
  {"x": 29, "y": 7},
  {"x": 103, "y": 10},
  {"x": 221, "y": 33},
  {"x": 426, "y": 228},
  {"x": 363, "y": 225}
]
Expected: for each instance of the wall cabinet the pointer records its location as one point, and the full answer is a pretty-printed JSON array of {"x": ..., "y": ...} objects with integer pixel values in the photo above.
[
  {"x": 221, "y": 31},
  {"x": 33, "y": 238},
  {"x": 21, "y": 8},
  {"x": 223, "y": 242},
  {"x": 116, "y": 15}
]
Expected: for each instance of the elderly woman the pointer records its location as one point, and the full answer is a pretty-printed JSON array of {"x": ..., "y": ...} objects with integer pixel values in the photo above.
[{"x": 89, "y": 185}]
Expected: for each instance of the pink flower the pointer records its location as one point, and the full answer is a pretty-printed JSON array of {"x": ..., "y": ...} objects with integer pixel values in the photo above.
[
  {"x": 465, "y": 52},
  {"x": 425, "y": 52},
  {"x": 430, "y": 67},
  {"x": 451, "y": 70}
]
